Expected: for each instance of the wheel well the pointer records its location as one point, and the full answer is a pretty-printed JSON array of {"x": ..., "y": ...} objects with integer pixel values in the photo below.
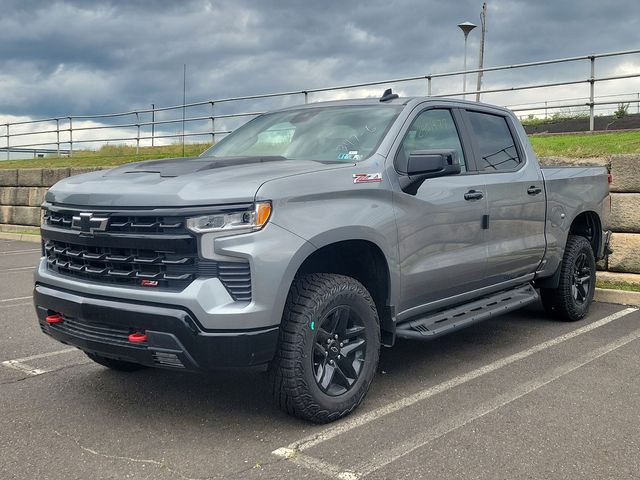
[
  {"x": 588, "y": 225},
  {"x": 364, "y": 261}
]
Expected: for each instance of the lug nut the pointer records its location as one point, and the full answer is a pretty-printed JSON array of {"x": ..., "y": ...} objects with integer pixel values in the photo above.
[
  {"x": 331, "y": 362},
  {"x": 339, "y": 357},
  {"x": 341, "y": 344},
  {"x": 335, "y": 336}
]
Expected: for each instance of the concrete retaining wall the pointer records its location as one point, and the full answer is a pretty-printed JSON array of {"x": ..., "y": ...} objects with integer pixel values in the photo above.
[{"x": 22, "y": 191}]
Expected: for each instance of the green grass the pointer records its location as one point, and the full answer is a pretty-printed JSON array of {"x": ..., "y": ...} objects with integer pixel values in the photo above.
[
  {"x": 586, "y": 145},
  {"x": 554, "y": 119},
  {"x": 628, "y": 287},
  {"x": 108, "y": 155},
  {"x": 578, "y": 146}
]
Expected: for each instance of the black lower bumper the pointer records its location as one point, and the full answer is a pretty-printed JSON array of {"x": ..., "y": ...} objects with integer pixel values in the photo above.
[{"x": 174, "y": 339}]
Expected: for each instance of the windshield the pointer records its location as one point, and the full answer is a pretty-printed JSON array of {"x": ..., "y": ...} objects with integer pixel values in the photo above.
[{"x": 346, "y": 134}]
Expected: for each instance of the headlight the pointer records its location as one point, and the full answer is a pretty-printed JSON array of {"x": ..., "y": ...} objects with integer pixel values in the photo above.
[{"x": 233, "y": 222}]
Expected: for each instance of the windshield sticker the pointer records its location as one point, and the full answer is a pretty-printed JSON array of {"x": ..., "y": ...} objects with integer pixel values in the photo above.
[
  {"x": 351, "y": 155},
  {"x": 367, "y": 177}
]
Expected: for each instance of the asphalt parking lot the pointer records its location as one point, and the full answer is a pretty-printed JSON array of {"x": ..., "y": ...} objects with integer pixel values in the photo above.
[{"x": 520, "y": 396}]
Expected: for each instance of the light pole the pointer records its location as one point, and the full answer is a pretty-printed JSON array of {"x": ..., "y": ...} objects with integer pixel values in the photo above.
[{"x": 466, "y": 27}]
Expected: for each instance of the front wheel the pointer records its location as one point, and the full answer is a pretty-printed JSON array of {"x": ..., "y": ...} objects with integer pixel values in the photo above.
[
  {"x": 328, "y": 348},
  {"x": 571, "y": 300}
]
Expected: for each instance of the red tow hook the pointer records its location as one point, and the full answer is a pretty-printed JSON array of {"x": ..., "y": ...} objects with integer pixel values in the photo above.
[
  {"x": 55, "y": 318},
  {"x": 137, "y": 337}
]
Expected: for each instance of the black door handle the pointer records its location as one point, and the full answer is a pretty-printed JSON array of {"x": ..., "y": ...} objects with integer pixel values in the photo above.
[
  {"x": 533, "y": 190},
  {"x": 473, "y": 195}
]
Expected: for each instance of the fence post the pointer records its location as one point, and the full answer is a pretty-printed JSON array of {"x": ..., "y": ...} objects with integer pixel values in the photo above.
[
  {"x": 70, "y": 136},
  {"x": 306, "y": 97},
  {"x": 58, "y": 136},
  {"x": 138, "y": 134},
  {"x": 8, "y": 150},
  {"x": 153, "y": 123},
  {"x": 213, "y": 125},
  {"x": 638, "y": 103},
  {"x": 591, "y": 93},
  {"x": 428, "y": 85},
  {"x": 545, "y": 110}
]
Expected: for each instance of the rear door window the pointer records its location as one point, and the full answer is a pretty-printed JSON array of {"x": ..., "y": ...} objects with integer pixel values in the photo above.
[{"x": 497, "y": 148}]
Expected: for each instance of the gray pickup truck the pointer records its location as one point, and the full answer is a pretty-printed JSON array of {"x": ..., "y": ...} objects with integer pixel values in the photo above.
[{"x": 311, "y": 236}]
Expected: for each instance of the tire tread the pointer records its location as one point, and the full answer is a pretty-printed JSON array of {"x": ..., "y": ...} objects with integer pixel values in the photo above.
[{"x": 286, "y": 378}]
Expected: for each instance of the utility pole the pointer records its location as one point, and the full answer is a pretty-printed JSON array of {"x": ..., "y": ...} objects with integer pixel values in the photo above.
[
  {"x": 184, "y": 101},
  {"x": 483, "y": 25},
  {"x": 153, "y": 123}
]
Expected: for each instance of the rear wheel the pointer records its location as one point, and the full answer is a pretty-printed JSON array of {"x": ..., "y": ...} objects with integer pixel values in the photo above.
[
  {"x": 571, "y": 300},
  {"x": 328, "y": 348},
  {"x": 114, "y": 364}
]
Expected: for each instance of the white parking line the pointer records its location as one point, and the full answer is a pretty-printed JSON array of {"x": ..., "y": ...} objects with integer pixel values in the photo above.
[
  {"x": 18, "y": 363},
  {"x": 18, "y": 252},
  {"x": 490, "y": 406},
  {"x": 16, "y": 269},
  {"x": 290, "y": 451},
  {"x": 15, "y": 299}
]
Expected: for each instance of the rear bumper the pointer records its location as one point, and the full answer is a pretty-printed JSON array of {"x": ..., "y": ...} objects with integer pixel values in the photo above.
[{"x": 174, "y": 339}]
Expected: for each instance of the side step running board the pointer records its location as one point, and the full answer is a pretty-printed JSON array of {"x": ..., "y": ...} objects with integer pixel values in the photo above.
[{"x": 446, "y": 321}]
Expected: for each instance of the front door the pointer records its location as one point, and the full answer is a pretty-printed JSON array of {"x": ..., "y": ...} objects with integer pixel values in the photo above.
[{"x": 442, "y": 244}]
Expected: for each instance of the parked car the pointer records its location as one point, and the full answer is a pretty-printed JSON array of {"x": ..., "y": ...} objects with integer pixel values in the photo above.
[{"x": 311, "y": 236}]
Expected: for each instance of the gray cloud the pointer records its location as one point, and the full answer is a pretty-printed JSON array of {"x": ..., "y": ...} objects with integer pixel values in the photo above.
[{"x": 74, "y": 57}]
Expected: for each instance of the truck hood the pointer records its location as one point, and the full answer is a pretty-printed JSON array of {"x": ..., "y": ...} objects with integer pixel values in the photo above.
[{"x": 179, "y": 182}]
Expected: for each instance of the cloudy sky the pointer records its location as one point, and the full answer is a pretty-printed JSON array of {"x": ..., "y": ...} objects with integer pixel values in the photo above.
[{"x": 61, "y": 57}]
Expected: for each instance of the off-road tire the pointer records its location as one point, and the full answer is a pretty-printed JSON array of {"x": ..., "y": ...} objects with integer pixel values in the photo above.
[
  {"x": 113, "y": 364},
  {"x": 560, "y": 302},
  {"x": 294, "y": 386}
]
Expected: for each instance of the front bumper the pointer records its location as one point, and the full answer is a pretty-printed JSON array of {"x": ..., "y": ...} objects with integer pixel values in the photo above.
[{"x": 174, "y": 339}]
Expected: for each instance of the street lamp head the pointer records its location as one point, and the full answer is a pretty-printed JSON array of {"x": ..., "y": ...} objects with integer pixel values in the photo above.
[{"x": 466, "y": 27}]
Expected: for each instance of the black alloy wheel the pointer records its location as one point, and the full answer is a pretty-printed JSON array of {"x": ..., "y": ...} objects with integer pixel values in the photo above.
[
  {"x": 581, "y": 279},
  {"x": 339, "y": 350}
]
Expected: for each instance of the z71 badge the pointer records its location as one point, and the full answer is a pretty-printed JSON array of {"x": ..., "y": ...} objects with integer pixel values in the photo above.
[{"x": 367, "y": 177}]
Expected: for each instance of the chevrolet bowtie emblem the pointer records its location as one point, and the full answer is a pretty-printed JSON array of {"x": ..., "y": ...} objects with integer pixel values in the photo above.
[{"x": 88, "y": 223}]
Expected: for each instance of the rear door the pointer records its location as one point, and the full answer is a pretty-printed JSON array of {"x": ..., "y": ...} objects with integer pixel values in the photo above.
[
  {"x": 441, "y": 237},
  {"x": 515, "y": 194}
]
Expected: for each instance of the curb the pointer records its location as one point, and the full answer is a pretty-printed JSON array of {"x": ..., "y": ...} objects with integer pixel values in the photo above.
[
  {"x": 21, "y": 237},
  {"x": 621, "y": 297}
]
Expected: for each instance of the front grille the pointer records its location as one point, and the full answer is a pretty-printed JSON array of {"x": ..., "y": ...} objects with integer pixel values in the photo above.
[
  {"x": 137, "y": 251},
  {"x": 121, "y": 265},
  {"x": 121, "y": 223}
]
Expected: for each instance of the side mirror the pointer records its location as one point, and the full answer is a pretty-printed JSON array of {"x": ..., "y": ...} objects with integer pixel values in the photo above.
[{"x": 424, "y": 164}]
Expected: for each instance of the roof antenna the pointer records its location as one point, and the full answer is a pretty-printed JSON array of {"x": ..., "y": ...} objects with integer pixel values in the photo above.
[{"x": 388, "y": 95}]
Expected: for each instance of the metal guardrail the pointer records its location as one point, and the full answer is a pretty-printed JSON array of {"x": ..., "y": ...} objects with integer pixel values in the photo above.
[{"x": 58, "y": 135}]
